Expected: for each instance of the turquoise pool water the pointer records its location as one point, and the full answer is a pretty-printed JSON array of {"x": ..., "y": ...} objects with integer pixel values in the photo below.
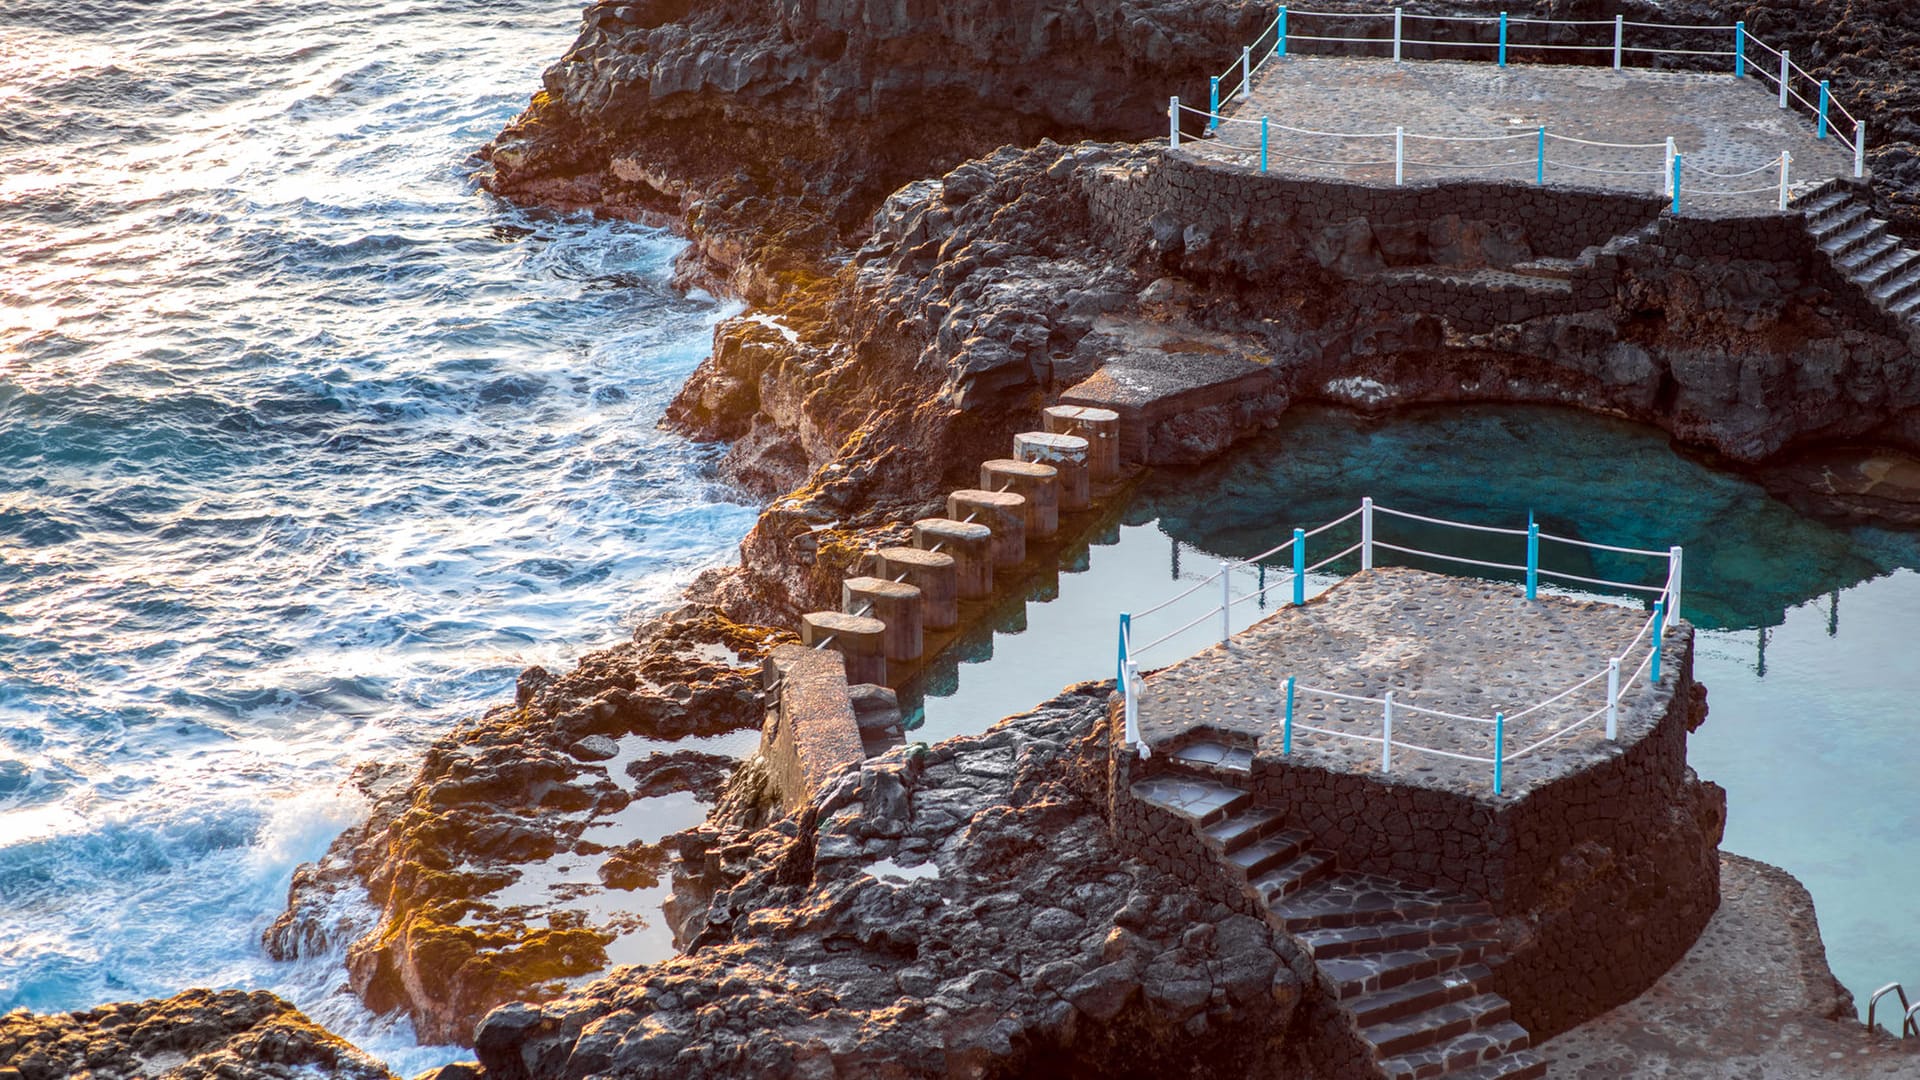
[{"x": 1807, "y": 630}]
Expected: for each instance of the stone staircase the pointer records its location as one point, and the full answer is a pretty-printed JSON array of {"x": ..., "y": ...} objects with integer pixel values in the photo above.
[
  {"x": 1408, "y": 966},
  {"x": 1863, "y": 250}
]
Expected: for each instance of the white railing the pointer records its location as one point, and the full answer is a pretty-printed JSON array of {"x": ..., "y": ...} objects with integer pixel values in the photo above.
[
  {"x": 1236, "y": 83},
  {"x": 1491, "y": 729}
]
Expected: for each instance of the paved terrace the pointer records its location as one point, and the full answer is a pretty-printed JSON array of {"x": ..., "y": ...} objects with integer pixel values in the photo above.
[
  {"x": 1720, "y": 123},
  {"x": 1458, "y": 645}
]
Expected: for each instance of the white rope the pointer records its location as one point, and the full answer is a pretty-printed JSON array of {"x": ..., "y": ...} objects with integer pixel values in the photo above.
[
  {"x": 1337, "y": 134},
  {"x": 1568, "y": 730},
  {"x": 1470, "y": 138},
  {"x": 1341, "y": 520},
  {"x": 1204, "y": 582},
  {"x": 1398, "y": 704},
  {"x": 1329, "y": 161},
  {"x": 1474, "y": 165},
  {"x": 1771, "y": 189},
  {"x": 1751, "y": 40},
  {"x": 1795, "y": 94},
  {"x": 1342, "y": 14},
  {"x": 1333, "y": 558},
  {"x": 1664, "y": 26},
  {"x": 1443, "y": 521},
  {"x": 1614, "y": 145},
  {"x": 1335, "y": 694},
  {"x": 1164, "y": 638},
  {"x": 1606, "y": 547},
  {"x": 1359, "y": 40},
  {"x": 1656, "y": 589},
  {"x": 1375, "y": 739},
  {"x": 1450, "y": 558},
  {"x": 1451, "y": 44},
  {"x": 1523, "y": 46},
  {"x": 1398, "y": 745},
  {"x": 1679, "y": 52},
  {"x": 1454, "y": 18},
  {"x": 1609, "y": 172},
  {"x": 1538, "y": 705},
  {"x": 1564, "y": 22}
]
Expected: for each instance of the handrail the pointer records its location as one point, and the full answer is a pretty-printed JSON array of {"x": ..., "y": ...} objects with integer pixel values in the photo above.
[{"x": 1873, "y": 1003}]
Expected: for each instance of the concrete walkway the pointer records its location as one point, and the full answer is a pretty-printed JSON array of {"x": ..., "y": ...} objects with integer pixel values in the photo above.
[{"x": 1720, "y": 123}]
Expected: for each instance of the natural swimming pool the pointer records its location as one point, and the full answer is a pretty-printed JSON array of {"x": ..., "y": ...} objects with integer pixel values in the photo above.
[{"x": 1806, "y": 628}]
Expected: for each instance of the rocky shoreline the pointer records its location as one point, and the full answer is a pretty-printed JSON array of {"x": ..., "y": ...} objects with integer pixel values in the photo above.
[{"x": 931, "y": 215}]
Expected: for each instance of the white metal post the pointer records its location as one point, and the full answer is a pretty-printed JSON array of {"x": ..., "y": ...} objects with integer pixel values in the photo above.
[
  {"x": 1673, "y": 585},
  {"x": 1246, "y": 72},
  {"x": 1786, "y": 162},
  {"x": 1859, "y": 149},
  {"x": 1619, "y": 34},
  {"x": 1666, "y": 183},
  {"x": 1786, "y": 71},
  {"x": 1396, "y": 35},
  {"x": 1399, "y": 155},
  {"x": 1226, "y": 602},
  {"x": 1173, "y": 121},
  {"x": 1386, "y": 734},
  {"x": 1613, "y": 698},
  {"x": 1366, "y": 533},
  {"x": 1133, "y": 710}
]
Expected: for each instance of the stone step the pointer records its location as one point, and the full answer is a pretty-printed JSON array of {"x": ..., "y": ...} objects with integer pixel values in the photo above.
[
  {"x": 1289, "y": 878},
  {"x": 1514, "y": 1065},
  {"x": 1839, "y": 220},
  {"x": 1463, "y": 1051},
  {"x": 1197, "y": 797},
  {"x": 1208, "y": 754},
  {"x": 1826, "y": 203},
  {"x": 1859, "y": 258},
  {"x": 1886, "y": 268},
  {"x": 1396, "y": 1038},
  {"x": 1270, "y": 851},
  {"x": 1357, "y": 899},
  {"x": 1388, "y": 937},
  {"x": 1890, "y": 291},
  {"x": 1353, "y": 976},
  {"x": 1244, "y": 827},
  {"x": 1859, "y": 233},
  {"x": 1905, "y": 306},
  {"x": 1417, "y": 996}
]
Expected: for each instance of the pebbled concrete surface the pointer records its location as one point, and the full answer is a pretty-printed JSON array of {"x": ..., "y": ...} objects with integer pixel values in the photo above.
[{"x": 1752, "y": 1000}]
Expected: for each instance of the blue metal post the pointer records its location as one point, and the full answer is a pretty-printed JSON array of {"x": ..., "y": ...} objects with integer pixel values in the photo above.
[
  {"x": 1299, "y": 567},
  {"x": 1503, "y": 39},
  {"x": 1533, "y": 557},
  {"x": 1263, "y": 144},
  {"x": 1659, "y": 632},
  {"x": 1280, "y": 43},
  {"x": 1740, "y": 49},
  {"x": 1826, "y": 95},
  {"x": 1213, "y": 102},
  {"x": 1126, "y": 628},
  {"x": 1540, "y": 161},
  {"x": 1676, "y": 184},
  {"x": 1286, "y": 733},
  {"x": 1499, "y": 749}
]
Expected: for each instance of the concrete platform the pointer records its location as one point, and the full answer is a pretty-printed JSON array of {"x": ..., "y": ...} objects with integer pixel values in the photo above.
[
  {"x": 1719, "y": 122},
  {"x": 1458, "y": 645},
  {"x": 1752, "y": 999}
]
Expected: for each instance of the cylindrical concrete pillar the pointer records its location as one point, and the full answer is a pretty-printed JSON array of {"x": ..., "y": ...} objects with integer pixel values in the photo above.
[
  {"x": 1001, "y": 511},
  {"x": 934, "y": 573},
  {"x": 1068, "y": 455},
  {"x": 970, "y": 545},
  {"x": 1038, "y": 484},
  {"x": 1101, "y": 429},
  {"x": 858, "y": 639},
  {"x": 892, "y": 602}
]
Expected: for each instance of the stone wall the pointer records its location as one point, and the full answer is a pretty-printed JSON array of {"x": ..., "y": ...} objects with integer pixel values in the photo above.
[{"x": 811, "y": 734}]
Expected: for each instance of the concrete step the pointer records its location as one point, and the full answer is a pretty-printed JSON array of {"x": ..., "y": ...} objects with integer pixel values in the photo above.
[
  {"x": 1902, "y": 284},
  {"x": 1353, "y": 976},
  {"x": 1417, "y": 996},
  {"x": 1463, "y": 1051},
  {"x": 1860, "y": 232},
  {"x": 1397, "y": 1038},
  {"x": 1244, "y": 827},
  {"x": 1840, "y": 220},
  {"x": 1826, "y": 204},
  {"x": 1387, "y": 937},
  {"x": 1357, "y": 899},
  {"x": 1270, "y": 851},
  {"x": 1886, "y": 268},
  {"x": 1200, "y": 798},
  {"x": 1905, "y": 306},
  {"x": 1209, "y": 754},
  {"x": 1289, "y": 878},
  {"x": 1513, "y": 1065},
  {"x": 1866, "y": 254}
]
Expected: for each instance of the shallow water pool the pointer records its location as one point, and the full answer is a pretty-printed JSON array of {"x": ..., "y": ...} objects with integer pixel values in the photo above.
[{"x": 1806, "y": 640}]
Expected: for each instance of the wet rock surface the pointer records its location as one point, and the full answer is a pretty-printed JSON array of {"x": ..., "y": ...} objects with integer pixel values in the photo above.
[
  {"x": 196, "y": 1035},
  {"x": 956, "y": 911}
]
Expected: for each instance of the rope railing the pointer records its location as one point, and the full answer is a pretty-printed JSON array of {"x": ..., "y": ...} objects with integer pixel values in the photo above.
[
  {"x": 1666, "y": 612},
  {"x": 1236, "y": 83}
]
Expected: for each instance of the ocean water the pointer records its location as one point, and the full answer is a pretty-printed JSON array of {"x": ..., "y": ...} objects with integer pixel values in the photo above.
[
  {"x": 307, "y": 446},
  {"x": 1806, "y": 629}
]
